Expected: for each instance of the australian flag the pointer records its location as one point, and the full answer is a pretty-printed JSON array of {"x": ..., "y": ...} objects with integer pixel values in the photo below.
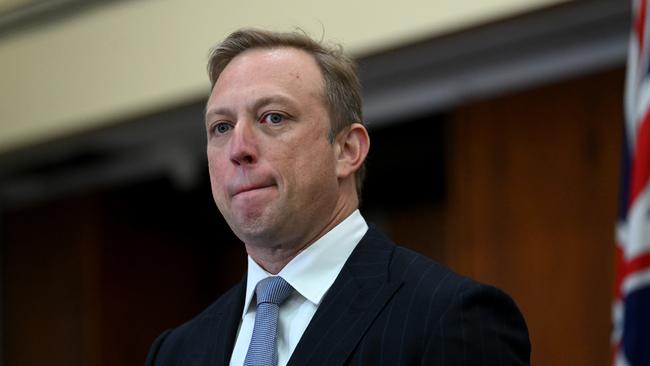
[{"x": 631, "y": 309}]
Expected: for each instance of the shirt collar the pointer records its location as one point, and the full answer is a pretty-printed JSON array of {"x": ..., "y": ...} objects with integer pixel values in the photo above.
[{"x": 313, "y": 271}]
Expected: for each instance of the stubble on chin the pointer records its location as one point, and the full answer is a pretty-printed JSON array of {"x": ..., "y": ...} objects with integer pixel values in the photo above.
[{"x": 254, "y": 229}]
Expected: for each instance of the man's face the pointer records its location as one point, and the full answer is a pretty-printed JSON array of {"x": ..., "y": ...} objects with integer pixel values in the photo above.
[{"x": 272, "y": 169}]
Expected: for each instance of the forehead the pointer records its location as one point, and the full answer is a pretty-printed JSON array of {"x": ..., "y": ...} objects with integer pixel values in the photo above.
[{"x": 284, "y": 67}]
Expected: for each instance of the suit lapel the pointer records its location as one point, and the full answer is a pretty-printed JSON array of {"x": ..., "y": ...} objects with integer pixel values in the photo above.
[
  {"x": 222, "y": 325},
  {"x": 359, "y": 293},
  {"x": 227, "y": 332}
]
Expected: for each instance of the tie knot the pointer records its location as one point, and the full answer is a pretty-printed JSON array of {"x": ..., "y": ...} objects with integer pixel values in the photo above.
[{"x": 273, "y": 290}]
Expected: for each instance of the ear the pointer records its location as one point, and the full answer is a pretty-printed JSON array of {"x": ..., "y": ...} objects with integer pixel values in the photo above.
[{"x": 352, "y": 148}]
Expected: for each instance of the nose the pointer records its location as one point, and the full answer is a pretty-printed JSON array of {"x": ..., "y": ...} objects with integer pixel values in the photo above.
[{"x": 243, "y": 148}]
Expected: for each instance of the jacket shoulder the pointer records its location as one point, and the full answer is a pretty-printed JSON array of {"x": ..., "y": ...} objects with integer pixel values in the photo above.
[
  {"x": 412, "y": 267},
  {"x": 475, "y": 322},
  {"x": 174, "y": 345}
]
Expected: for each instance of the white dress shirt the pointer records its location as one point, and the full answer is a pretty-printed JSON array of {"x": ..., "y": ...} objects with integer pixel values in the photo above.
[{"x": 311, "y": 273}]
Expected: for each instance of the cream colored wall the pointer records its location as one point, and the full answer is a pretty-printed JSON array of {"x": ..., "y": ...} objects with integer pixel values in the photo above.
[
  {"x": 12, "y": 4},
  {"x": 134, "y": 57}
]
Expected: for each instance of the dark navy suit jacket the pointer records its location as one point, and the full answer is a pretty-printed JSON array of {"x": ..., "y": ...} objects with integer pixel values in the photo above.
[{"x": 388, "y": 306}]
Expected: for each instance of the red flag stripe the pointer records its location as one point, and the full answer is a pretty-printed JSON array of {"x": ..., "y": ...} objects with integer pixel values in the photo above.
[
  {"x": 628, "y": 267},
  {"x": 639, "y": 22},
  {"x": 637, "y": 264},
  {"x": 619, "y": 277}
]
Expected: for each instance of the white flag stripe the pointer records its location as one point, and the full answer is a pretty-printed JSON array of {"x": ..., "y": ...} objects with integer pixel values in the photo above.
[
  {"x": 641, "y": 107},
  {"x": 618, "y": 316},
  {"x": 621, "y": 234},
  {"x": 620, "y": 360},
  {"x": 637, "y": 231},
  {"x": 636, "y": 281}
]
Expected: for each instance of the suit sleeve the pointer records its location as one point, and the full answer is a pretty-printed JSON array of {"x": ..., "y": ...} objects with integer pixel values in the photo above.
[
  {"x": 482, "y": 326},
  {"x": 155, "y": 348}
]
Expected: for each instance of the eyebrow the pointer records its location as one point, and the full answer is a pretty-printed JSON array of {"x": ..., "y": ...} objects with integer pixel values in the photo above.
[
  {"x": 217, "y": 111},
  {"x": 278, "y": 98}
]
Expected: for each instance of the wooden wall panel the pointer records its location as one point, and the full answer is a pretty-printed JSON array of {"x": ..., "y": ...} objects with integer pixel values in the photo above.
[
  {"x": 532, "y": 204},
  {"x": 47, "y": 300},
  {"x": 92, "y": 279}
]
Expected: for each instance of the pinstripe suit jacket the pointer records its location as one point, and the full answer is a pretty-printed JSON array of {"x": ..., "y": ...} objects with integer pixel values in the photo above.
[{"x": 388, "y": 306}]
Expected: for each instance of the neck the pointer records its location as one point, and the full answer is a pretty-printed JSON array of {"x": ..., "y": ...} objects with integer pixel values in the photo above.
[{"x": 274, "y": 259}]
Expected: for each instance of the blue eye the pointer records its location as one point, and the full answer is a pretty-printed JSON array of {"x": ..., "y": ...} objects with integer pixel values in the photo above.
[
  {"x": 273, "y": 118},
  {"x": 221, "y": 128}
]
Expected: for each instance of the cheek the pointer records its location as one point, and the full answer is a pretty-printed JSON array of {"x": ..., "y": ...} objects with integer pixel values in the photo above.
[
  {"x": 317, "y": 167},
  {"x": 216, "y": 169},
  {"x": 216, "y": 160},
  {"x": 213, "y": 168}
]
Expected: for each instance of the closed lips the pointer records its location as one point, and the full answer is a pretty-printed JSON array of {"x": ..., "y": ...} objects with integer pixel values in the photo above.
[{"x": 251, "y": 188}]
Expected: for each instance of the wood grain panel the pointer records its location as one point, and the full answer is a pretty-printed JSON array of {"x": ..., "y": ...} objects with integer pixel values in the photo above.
[{"x": 532, "y": 203}]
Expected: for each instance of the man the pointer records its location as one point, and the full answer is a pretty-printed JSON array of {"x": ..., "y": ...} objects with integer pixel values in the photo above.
[{"x": 286, "y": 146}]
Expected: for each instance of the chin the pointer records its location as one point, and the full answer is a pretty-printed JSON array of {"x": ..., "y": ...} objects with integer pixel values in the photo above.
[{"x": 253, "y": 229}]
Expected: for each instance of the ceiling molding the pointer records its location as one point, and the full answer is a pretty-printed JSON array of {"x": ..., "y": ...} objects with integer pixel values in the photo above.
[
  {"x": 31, "y": 14},
  {"x": 541, "y": 47}
]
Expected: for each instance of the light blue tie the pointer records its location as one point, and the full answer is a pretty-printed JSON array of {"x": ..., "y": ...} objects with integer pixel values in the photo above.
[{"x": 270, "y": 292}]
